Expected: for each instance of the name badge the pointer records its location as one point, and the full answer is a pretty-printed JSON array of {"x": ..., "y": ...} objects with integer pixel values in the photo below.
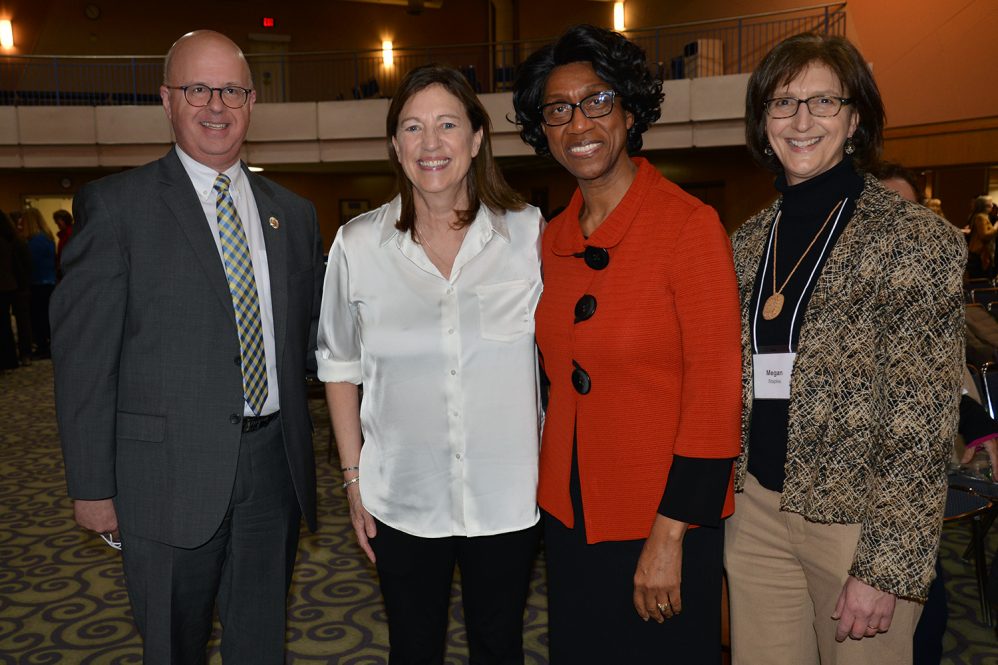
[{"x": 771, "y": 374}]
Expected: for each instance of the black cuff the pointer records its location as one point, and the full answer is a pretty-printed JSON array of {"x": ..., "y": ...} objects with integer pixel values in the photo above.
[
  {"x": 975, "y": 423},
  {"x": 695, "y": 490}
]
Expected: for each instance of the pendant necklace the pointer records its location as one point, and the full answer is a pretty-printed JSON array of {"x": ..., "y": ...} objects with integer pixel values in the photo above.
[{"x": 774, "y": 303}]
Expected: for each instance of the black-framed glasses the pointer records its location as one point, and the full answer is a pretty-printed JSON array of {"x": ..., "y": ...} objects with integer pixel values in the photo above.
[
  {"x": 198, "y": 94},
  {"x": 595, "y": 105},
  {"x": 820, "y": 106}
]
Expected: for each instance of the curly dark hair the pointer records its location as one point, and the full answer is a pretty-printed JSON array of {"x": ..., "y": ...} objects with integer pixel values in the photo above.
[
  {"x": 615, "y": 59},
  {"x": 791, "y": 57}
]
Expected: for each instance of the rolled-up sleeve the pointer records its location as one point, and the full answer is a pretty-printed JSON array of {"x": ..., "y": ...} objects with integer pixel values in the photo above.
[{"x": 338, "y": 352}]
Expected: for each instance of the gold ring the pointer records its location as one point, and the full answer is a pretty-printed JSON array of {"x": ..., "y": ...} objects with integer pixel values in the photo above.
[{"x": 662, "y": 606}]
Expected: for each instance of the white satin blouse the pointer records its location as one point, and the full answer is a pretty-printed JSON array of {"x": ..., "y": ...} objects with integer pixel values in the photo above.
[{"x": 450, "y": 412}]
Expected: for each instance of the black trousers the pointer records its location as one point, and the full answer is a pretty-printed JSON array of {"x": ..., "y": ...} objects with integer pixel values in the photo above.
[
  {"x": 22, "y": 317},
  {"x": 928, "y": 638},
  {"x": 245, "y": 567},
  {"x": 416, "y": 575},
  {"x": 41, "y": 331},
  {"x": 8, "y": 348}
]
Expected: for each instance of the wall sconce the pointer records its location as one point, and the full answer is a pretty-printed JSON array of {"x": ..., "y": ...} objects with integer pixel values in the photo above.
[
  {"x": 387, "y": 55},
  {"x": 618, "y": 16},
  {"x": 6, "y": 34}
]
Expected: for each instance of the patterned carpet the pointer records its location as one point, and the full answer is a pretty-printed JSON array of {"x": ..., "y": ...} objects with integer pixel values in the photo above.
[{"x": 62, "y": 599}]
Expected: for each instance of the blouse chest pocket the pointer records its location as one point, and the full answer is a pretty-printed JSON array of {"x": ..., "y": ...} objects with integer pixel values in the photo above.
[{"x": 504, "y": 308}]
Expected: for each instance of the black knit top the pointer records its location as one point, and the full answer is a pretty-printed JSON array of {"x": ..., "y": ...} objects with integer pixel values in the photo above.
[{"x": 804, "y": 208}]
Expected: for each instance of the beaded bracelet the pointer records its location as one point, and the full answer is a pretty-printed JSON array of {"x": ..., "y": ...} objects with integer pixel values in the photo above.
[{"x": 349, "y": 468}]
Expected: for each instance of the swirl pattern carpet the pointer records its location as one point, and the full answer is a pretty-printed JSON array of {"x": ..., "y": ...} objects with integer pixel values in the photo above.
[{"x": 63, "y": 600}]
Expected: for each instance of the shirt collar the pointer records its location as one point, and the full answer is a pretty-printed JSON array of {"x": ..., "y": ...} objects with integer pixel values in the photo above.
[
  {"x": 567, "y": 238},
  {"x": 485, "y": 224},
  {"x": 203, "y": 177}
]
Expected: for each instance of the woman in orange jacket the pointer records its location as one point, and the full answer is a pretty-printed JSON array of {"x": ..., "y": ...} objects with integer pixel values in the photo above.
[{"x": 639, "y": 332}]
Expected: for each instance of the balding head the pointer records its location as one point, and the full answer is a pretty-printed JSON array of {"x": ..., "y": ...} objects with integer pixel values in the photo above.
[
  {"x": 192, "y": 39},
  {"x": 208, "y": 62}
]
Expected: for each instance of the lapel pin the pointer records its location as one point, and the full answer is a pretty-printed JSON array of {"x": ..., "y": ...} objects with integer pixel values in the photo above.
[{"x": 275, "y": 223}]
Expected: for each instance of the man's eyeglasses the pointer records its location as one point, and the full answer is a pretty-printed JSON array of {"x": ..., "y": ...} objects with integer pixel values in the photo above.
[
  {"x": 820, "y": 106},
  {"x": 596, "y": 105},
  {"x": 198, "y": 94}
]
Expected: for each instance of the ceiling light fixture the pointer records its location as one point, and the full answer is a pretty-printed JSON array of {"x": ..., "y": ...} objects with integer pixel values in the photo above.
[
  {"x": 6, "y": 34},
  {"x": 618, "y": 16}
]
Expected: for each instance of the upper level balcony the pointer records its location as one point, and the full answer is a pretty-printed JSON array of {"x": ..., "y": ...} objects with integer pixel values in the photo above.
[{"x": 66, "y": 111}]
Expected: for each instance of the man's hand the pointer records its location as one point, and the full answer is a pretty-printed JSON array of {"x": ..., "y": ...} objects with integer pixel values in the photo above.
[
  {"x": 862, "y": 610},
  {"x": 96, "y": 515}
]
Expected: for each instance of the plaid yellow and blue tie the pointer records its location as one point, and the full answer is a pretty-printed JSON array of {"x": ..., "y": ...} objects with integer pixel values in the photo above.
[{"x": 245, "y": 302}]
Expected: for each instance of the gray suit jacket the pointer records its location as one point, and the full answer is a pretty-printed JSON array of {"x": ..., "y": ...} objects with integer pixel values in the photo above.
[{"x": 147, "y": 369}]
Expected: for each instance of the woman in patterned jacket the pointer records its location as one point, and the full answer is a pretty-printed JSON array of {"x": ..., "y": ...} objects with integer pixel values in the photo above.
[{"x": 852, "y": 342}]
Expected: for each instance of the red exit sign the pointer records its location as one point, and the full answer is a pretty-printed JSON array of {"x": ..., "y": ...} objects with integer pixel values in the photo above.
[{"x": 267, "y": 22}]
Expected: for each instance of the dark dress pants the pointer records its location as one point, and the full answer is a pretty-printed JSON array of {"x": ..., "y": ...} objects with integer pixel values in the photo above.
[
  {"x": 41, "y": 331},
  {"x": 246, "y": 567},
  {"x": 22, "y": 316},
  {"x": 8, "y": 348},
  {"x": 416, "y": 573},
  {"x": 928, "y": 639}
]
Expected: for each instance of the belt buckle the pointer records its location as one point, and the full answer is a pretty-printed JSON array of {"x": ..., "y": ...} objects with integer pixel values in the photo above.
[{"x": 253, "y": 423}]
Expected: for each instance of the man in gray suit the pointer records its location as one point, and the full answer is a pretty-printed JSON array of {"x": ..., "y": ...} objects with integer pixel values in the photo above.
[{"x": 181, "y": 333}]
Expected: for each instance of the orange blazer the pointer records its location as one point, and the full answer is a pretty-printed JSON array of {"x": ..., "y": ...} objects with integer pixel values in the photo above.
[{"x": 662, "y": 352}]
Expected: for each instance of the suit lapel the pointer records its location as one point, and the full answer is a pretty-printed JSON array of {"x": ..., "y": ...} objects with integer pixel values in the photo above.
[
  {"x": 277, "y": 257},
  {"x": 180, "y": 198}
]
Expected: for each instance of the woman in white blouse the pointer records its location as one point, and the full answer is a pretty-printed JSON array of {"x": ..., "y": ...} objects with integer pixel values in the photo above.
[{"x": 428, "y": 303}]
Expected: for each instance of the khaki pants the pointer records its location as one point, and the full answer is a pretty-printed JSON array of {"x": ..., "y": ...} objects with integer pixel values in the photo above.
[{"x": 785, "y": 575}]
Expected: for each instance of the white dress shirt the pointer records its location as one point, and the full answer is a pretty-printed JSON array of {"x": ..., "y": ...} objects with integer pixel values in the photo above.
[
  {"x": 450, "y": 413},
  {"x": 203, "y": 179}
]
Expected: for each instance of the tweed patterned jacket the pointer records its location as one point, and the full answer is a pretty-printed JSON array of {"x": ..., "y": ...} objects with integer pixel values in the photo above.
[{"x": 876, "y": 384}]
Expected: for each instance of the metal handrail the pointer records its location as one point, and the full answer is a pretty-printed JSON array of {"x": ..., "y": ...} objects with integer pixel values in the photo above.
[{"x": 683, "y": 50}]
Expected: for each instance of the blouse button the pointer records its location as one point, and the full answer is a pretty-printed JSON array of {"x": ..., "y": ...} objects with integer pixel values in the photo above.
[
  {"x": 585, "y": 308},
  {"x": 596, "y": 258},
  {"x": 580, "y": 380}
]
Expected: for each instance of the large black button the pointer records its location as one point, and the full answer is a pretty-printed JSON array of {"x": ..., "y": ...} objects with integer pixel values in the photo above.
[
  {"x": 596, "y": 258},
  {"x": 580, "y": 380},
  {"x": 235, "y": 419},
  {"x": 585, "y": 308}
]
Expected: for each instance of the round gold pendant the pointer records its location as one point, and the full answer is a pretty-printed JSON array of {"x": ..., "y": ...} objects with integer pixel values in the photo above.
[{"x": 773, "y": 306}]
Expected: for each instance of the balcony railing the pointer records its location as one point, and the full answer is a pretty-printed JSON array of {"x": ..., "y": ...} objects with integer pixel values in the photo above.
[{"x": 688, "y": 50}]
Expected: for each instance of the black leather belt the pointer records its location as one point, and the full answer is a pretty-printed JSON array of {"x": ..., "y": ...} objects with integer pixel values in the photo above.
[{"x": 253, "y": 423}]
